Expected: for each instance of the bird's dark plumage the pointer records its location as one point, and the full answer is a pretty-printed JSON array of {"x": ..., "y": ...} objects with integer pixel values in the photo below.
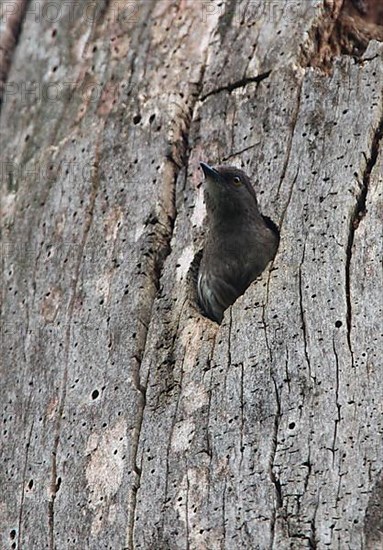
[{"x": 240, "y": 241}]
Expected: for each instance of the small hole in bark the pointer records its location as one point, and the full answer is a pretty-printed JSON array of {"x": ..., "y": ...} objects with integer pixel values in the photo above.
[
  {"x": 30, "y": 484},
  {"x": 338, "y": 324},
  {"x": 95, "y": 394},
  {"x": 292, "y": 425},
  {"x": 12, "y": 534},
  {"x": 136, "y": 119}
]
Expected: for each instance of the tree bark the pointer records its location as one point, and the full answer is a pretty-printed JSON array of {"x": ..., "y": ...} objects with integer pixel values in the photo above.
[{"x": 129, "y": 419}]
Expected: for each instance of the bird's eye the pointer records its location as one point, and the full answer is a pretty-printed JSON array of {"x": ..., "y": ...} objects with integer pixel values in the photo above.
[{"x": 237, "y": 181}]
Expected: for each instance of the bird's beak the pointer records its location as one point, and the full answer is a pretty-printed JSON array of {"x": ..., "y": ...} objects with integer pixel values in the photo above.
[{"x": 210, "y": 172}]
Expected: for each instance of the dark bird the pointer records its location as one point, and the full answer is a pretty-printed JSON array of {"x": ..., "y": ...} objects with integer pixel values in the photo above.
[{"x": 240, "y": 241}]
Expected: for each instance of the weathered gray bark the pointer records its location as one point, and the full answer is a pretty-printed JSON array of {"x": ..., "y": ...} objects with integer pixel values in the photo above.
[{"x": 129, "y": 419}]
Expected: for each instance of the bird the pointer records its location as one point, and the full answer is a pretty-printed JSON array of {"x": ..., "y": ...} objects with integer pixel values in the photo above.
[{"x": 240, "y": 241}]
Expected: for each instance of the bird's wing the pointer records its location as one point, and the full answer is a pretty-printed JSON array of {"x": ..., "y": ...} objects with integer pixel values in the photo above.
[{"x": 215, "y": 295}]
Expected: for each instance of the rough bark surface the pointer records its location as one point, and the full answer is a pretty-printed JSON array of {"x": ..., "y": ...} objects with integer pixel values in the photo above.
[{"x": 128, "y": 419}]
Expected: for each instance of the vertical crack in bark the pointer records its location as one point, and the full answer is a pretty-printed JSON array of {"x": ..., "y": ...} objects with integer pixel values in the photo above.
[
  {"x": 337, "y": 420},
  {"x": 309, "y": 467},
  {"x": 287, "y": 369},
  {"x": 302, "y": 313},
  {"x": 229, "y": 340},
  {"x": 10, "y": 37},
  {"x": 273, "y": 477},
  {"x": 187, "y": 506},
  {"x": 19, "y": 544},
  {"x": 241, "y": 449},
  {"x": 357, "y": 215},
  {"x": 288, "y": 200},
  {"x": 232, "y": 130},
  {"x": 265, "y": 329},
  {"x": 95, "y": 181},
  {"x": 210, "y": 391},
  {"x": 291, "y": 136},
  {"x": 224, "y": 514}
]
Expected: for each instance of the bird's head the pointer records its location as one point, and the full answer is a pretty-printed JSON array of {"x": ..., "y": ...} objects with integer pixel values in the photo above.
[{"x": 228, "y": 189}]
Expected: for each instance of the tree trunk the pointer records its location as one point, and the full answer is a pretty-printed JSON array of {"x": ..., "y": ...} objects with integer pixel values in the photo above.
[{"x": 129, "y": 419}]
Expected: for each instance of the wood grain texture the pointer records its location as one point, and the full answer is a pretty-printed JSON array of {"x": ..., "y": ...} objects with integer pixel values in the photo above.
[{"x": 128, "y": 419}]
